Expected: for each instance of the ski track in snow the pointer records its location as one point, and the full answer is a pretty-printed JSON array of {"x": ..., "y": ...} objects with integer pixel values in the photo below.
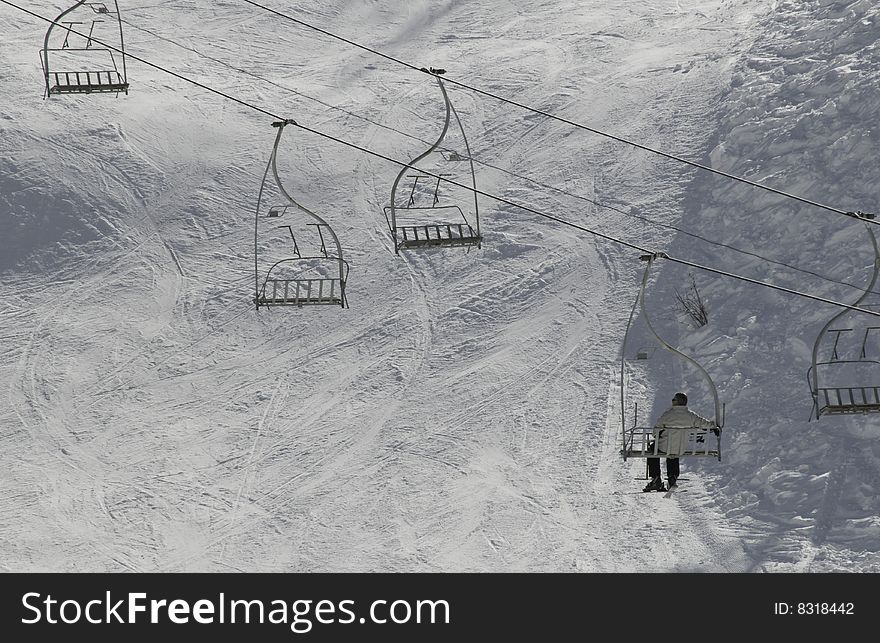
[{"x": 462, "y": 415}]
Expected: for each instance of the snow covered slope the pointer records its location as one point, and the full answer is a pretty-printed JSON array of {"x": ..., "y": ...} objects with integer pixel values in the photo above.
[
  {"x": 462, "y": 414},
  {"x": 799, "y": 117}
]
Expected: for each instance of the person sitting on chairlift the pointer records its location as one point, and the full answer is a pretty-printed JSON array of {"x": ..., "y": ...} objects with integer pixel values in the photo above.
[{"x": 673, "y": 442}]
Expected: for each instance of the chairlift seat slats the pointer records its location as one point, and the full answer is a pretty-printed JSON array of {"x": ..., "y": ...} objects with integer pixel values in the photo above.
[
  {"x": 850, "y": 400},
  {"x": 850, "y": 409},
  {"x": 87, "y": 82},
  {"x": 448, "y": 235},
  {"x": 641, "y": 442},
  {"x": 301, "y": 292}
]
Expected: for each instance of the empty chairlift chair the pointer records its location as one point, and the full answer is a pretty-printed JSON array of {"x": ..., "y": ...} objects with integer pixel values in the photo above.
[
  {"x": 83, "y": 62},
  {"x": 299, "y": 278},
  {"x": 846, "y": 381},
  {"x": 419, "y": 224},
  {"x": 639, "y": 441}
]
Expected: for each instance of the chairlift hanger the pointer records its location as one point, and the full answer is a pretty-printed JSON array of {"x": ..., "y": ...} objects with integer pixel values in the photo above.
[
  {"x": 436, "y": 233},
  {"x": 844, "y": 398},
  {"x": 106, "y": 79},
  {"x": 639, "y": 441},
  {"x": 300, "y": 290}
]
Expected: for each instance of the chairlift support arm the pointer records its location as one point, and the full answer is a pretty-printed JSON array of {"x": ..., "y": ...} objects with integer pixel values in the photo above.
[
  {"x": 863, "y": 354},
  {"x": 412, "y": 193},
  {"x": 69, "y": 24},
  {"x": 91, "y": 32},
  {"x": 321, "y": 238},
  {"x": 292, "y": 238}
]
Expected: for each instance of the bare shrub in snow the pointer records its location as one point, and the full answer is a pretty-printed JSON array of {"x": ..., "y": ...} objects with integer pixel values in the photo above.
[{"x": 693, "y": 305}]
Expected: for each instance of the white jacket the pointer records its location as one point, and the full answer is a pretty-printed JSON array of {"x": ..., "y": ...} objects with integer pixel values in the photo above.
[{"x": 675, "y": 442}]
